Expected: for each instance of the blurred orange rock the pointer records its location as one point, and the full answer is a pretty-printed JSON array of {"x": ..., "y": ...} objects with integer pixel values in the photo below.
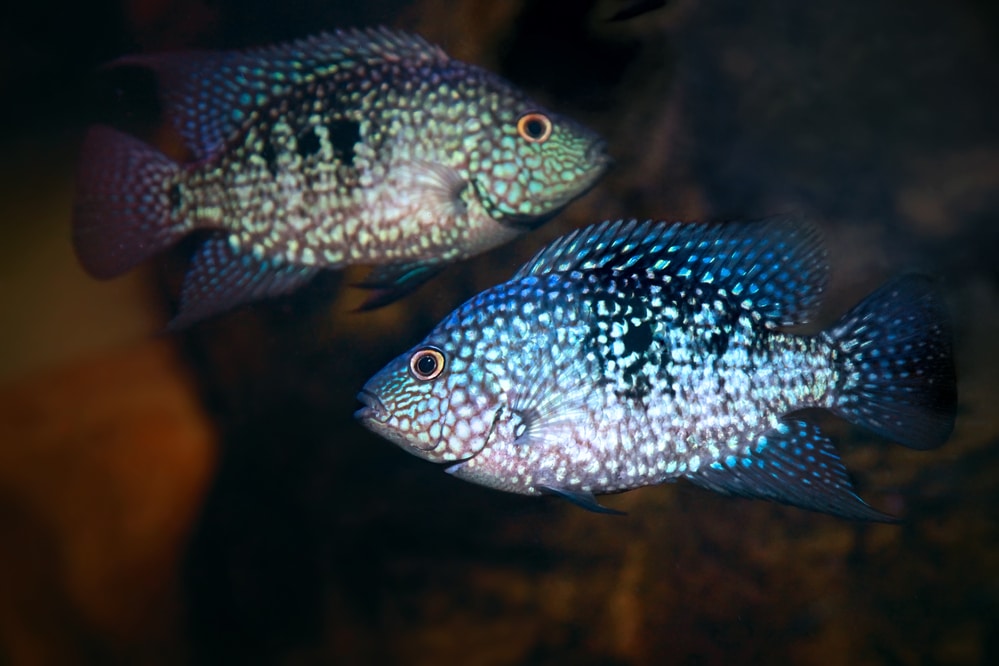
[{"x": 103, "y": 467}]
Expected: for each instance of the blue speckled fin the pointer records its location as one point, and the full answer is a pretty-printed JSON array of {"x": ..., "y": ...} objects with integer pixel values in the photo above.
[
  {"x": 896, "y": 364},
  {"x": 393, "y": 281},
  {"x": 580, "y": 498},
  {"x": 776, "y": 266},
  {"x": 209, "y": 94},
  {"x": 219, "y": 280},
  {"x": 794, "y": 464}
]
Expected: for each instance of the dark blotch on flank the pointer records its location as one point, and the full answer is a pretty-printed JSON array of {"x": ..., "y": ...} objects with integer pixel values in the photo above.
[
  {"x": 176, "y": 197},
  {"x": 638, "y": 339},
  {"x": 269, "y": 154},
  {"x": 307, "y": 143},
  {"x": 344, "y": 135}
]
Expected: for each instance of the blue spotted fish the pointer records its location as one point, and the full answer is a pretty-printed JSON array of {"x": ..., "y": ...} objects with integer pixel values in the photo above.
[
  {"x": 353, "y": 147},
  {"x": 634, "y": 353}
]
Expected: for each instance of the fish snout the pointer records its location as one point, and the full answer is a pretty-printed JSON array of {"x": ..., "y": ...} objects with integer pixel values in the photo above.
[
  {"x": 598, "y": 155},
  {"x": 373, "y": 410}
]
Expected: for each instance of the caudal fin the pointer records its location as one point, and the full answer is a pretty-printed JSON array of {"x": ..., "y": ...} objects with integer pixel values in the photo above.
[
  {"x": 126, "y": 191},
  {"x": 896, "y": 365}
]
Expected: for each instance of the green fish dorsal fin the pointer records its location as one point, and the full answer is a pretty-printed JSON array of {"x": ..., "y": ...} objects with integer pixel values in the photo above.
[
  {"x": 372, "y": 46},
  {"x": 210, "y": 95},
  {"x": 776, "y": 266}
]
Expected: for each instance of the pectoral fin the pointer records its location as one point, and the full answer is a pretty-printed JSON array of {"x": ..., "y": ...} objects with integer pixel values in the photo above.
[{"x": 391, "y": 282}]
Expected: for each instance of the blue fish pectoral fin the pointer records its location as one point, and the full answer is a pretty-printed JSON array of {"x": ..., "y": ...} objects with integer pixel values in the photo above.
[
  {"x": 220, "y": 279},
  {"x": 391, "y": 282},
  {"x": 793, "y": 464},
  {"x": 580, "y": 498}
]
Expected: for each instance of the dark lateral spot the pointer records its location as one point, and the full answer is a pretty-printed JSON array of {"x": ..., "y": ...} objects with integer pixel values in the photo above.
[
  {"x": 269, "y": 153},
  {"x": 344, "y": 135},
  {"x": 307, "y": 143},
  {"x": 637, "y": 339},
  {"x": 176, "y": 198},
  {"x": 718, "y": 338}
]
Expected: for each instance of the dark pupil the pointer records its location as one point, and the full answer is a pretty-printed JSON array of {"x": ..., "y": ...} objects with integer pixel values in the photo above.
[
  {"x": 535, "y": 128},
  {"x": 426, "y": 365}
]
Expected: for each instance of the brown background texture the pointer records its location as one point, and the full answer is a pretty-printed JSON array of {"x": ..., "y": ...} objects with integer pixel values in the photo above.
[{"x": 207, "y": 498}]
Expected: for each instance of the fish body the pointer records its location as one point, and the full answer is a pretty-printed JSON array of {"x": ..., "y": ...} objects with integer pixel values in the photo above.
[
  {"x": 354, "y": 147},
  {"x": 628, "y": 354}
]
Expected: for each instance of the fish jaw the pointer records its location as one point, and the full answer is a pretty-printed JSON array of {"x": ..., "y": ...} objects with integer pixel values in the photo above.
[{"x": 407, "y": 430}]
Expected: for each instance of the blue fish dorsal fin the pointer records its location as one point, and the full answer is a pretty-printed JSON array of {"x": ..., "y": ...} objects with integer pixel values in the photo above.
[
  {"x": 208, "y": 95},
  {"x": 776, "y": 266}
]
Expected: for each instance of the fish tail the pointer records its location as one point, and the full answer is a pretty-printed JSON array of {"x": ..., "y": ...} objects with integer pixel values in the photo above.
[
  {"x": 896, "y": 366},
  {"x": 126, "y": 194}
]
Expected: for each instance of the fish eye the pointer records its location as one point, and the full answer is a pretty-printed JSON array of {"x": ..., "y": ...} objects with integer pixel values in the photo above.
[
  {"x": 534, "y": 127},
  {"x": 426, "y": 363}
]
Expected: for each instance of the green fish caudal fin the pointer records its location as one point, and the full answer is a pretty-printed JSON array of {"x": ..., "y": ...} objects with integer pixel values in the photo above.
[
  {"x": 123, "y": 203},
  {"x": 896, "y": 365}
]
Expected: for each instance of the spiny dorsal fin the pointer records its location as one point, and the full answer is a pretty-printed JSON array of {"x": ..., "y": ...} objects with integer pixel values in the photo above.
[
  {"x": 775, "y": 266},
  {"x": 208, "y": 94},
  {"x": 371, "y": 45}
]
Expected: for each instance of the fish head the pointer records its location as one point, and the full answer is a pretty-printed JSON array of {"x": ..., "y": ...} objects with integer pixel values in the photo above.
[
  {"x": 532, "y": 162},
  {"x": 436, "y": 401}
]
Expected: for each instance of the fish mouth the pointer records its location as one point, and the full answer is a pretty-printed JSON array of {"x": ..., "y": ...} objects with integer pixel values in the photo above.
[
  {"x": 597, "y": 153},
  {"x": 373, "y": 410}
]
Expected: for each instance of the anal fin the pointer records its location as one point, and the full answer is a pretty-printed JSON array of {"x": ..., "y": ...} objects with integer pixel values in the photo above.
[
  {"x": 794, "y": 464},
  {"x": 220, "y": 279},
  {"x": 580, "y": 498}
]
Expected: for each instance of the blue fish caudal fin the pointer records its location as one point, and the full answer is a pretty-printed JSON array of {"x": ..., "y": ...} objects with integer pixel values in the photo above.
[
  {"x": 896, "y": 365},
  {"x": 125, "y": 194}
]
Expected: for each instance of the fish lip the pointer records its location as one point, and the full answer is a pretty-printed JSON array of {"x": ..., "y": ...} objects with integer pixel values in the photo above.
[
  {"x": 374, "y": 409},
  {"x": 597, "y": 152}
]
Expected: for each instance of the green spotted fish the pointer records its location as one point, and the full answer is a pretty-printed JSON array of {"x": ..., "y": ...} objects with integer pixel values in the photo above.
[{"x": 353, "y": 147}]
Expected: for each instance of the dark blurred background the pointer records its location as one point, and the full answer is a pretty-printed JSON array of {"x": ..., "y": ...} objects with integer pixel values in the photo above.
[{"x": 207, "y": 498}]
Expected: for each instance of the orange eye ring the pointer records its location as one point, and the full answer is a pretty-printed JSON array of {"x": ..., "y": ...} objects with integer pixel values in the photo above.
[
  {"x": 534, "y": 127},
  {"x": 427, "y": 363}
]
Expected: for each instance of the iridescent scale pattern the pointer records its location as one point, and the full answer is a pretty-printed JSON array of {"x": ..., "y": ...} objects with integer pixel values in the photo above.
[
  {"x": 363, "y": 147},
  {"x": 627, "y": 354}
]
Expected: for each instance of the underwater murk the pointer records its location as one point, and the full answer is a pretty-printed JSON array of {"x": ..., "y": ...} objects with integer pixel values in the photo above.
[{"x": 201, "y": 492}]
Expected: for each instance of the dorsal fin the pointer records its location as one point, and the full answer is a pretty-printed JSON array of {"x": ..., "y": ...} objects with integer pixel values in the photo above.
[
  {"x": 208, "y": 94},
  {"x": 776, "y": 266}
]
